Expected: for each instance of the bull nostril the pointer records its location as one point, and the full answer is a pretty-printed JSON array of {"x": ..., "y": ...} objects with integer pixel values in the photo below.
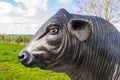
[
  {"x": 24, "y": 56},
  {"x": 21, "y": 56}
]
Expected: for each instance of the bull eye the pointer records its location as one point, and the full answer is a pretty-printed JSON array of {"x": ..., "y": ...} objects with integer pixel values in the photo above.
[{"x": 53, "y": 30}]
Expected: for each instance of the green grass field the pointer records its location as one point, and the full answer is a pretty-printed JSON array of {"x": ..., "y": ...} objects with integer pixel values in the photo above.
[{"x": 12, "y": 69}]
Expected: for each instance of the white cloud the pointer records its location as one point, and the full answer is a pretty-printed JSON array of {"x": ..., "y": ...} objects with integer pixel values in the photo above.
[
  {"x": 18, "y": 28},
  {"x": 63, "y": 1},
  {"x": 5, "y": 8},
  {"x": 32, "y": 6},
  {"x": 15, "y": 19},
  {"x": 117, "y": 25}
]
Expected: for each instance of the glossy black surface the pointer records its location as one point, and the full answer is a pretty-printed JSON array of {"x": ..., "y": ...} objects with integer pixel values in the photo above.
[{"x": 84, "y": 47}]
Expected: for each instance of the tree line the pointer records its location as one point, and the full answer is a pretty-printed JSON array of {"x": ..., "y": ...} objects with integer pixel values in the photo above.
[{"x": 15, "y": 39}]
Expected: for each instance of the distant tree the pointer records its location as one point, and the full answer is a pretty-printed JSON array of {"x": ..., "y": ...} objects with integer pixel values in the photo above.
[
  {"x": 22, "y": 39},
  {"x": 11, "y": 38},
  {"x": 108, "y": 9},
  {"x": 8, "y": 39},
  {"x": 2, "y": 38}
]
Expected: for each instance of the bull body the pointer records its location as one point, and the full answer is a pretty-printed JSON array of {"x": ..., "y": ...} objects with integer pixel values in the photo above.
[{"x": 84, "y": 47}]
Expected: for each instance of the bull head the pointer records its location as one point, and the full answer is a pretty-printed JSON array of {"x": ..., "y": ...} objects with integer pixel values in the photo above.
[{"x": 46, "y": 45}]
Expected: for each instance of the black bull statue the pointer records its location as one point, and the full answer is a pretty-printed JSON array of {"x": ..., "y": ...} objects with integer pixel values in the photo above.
[{"x": 84, "y": 47}]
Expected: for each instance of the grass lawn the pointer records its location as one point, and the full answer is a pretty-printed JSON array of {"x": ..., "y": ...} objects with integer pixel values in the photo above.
[{"x": 12, "y": 69}]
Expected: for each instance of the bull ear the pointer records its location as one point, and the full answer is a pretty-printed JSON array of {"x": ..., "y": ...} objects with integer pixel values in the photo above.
[{"x": 81, "y": 29}]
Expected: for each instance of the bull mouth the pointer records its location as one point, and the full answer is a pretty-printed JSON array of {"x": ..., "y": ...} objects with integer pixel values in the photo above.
[
  {"x": 41, "y": 59},
  {"x": 31, "y": 62},
  {"x": 27, "y": 59}
]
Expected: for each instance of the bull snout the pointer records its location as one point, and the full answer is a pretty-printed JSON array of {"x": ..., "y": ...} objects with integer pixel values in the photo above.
[
  {"x": 27, "y": 59},
  {"x": 24, "y": 56}
]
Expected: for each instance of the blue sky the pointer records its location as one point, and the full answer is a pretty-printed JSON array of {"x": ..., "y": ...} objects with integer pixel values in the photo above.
[{"x": 26, "y": 16}]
